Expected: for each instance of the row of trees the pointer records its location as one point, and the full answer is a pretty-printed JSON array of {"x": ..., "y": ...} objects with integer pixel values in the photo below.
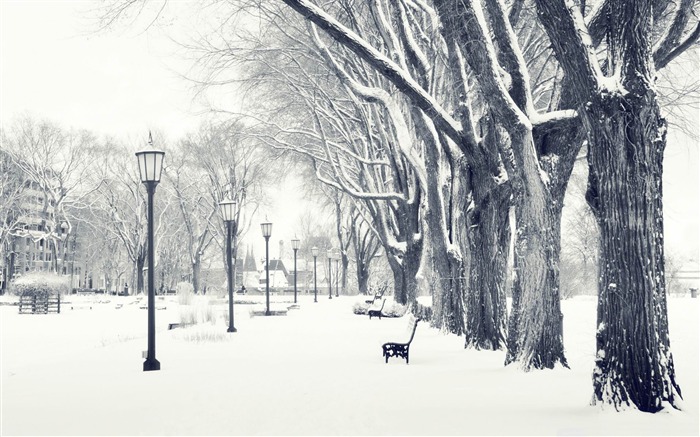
[
  {"x": 439, "y": 120},
  {"x": 91, "y": 192},
  {"x": 101, "y": 215}
]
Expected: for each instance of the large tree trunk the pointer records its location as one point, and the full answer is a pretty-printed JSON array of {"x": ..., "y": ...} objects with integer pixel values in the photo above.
[
  {"x": 362, "y": 276},
  {"x": 405, "y": 270},
  {"x": 489, "y": 241},
  {"x": 634, "y": 365},
  {"x": 535, "y": 329},
  {"x": 444, "y": 255},
  {"x": 196, "y": 274},
  {"x": 140, "y": 263}
]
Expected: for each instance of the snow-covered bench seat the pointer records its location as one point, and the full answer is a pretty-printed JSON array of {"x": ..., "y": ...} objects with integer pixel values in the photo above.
[{"x": 400, "y": 349}]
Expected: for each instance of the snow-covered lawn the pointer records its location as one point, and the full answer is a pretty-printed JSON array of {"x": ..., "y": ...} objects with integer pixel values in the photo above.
[{"x": 316, "y": 371}]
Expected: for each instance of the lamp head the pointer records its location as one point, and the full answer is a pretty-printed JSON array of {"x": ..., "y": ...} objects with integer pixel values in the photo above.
[
  {"x": 150, "y": 162},
  {"x": 228, "y": 209},
  {"x": 266, "y": 229}
]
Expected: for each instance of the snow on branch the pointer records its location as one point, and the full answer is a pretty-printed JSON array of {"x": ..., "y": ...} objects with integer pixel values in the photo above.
[
  {"x": 572, "y": 44},
  {"x": 512, "y": 56},
  {"x": 381, "y": 96},
  {"x": 389, "y": 69}
]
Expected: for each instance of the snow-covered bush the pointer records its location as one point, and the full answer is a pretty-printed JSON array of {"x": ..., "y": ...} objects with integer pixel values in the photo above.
[
  {"x": 185, "y": 293},
  {"x": 204, "y": 334},
  {"x": 36, "y": 283},
  {"x": 360, "y": 307},
  {"x": 199, "y": 311},
  {"x": 391, "y": 307},
  {"x": 394, "y": 309}
]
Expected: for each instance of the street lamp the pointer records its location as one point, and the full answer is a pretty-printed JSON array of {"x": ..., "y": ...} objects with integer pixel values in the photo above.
[
  {"x": 314, "y": 252},
  {"x": 337, "y": 272},
  {"x": 267, "y": 231},
  {"x": 295, "y": 247},
  {"x": 228, "y": 208},
  {"x": 329, "y": 254},
  {"x": 150, "y": 167}
]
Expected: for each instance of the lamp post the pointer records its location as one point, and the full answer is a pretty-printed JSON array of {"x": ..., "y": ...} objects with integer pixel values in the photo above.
[
  {"x": 150, "y": 166},
  {"x": 295, "y": 247},
  {"x": 228, "y": 208},
  {"x": 314, "y": 252},
  {"x": 330, "y": 274},
  {"x": 337, "y": 272},
  {"x": 267, "y": 232}
]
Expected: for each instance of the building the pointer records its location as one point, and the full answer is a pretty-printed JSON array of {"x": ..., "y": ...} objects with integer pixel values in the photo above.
[{"x": 31, "y": 245}]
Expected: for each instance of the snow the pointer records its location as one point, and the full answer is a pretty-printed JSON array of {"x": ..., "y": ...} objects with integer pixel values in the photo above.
[{"x": 317, "y": 371}]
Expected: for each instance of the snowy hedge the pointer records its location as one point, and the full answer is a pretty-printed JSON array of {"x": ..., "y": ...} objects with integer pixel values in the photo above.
[
  {"x": 391, "y": 307},
  {"x": 36, "y": 283}
]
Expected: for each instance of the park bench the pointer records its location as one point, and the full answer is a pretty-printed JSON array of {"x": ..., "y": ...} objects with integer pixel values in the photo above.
[
  {"x": 377, "y": 296},
  {"x": 376, "y": 312},
  {"x": 400, "y": 349},
  {"x": 42, "y": 303}
]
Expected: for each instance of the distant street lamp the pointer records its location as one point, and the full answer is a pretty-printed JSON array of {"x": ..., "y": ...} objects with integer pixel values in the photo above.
[
  {"x": 337, "y": 272},
  {"x": 314, "y": 252},
  {"x": 267, "y": 232},
  {"x": 228, "y": 208},
  {"x": 295, "y": 247},
  {"x": 150, "y": 167},
  {"x": 329, "y": 254}
]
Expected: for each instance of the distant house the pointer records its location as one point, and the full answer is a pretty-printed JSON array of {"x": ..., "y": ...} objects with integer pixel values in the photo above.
[{"x": 278, "y": 274}]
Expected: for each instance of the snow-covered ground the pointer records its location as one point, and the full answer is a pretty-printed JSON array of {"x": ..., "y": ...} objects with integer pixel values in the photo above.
[{"x": 316, "y": 371}]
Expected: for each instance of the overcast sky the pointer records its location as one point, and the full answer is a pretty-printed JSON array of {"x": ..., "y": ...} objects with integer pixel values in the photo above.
[{"x": 125, "y": 82}]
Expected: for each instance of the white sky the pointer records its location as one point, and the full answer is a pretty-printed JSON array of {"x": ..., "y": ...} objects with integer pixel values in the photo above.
[
  {"x": 123, "y": 83},
  {"x": 120, "y": 84}
]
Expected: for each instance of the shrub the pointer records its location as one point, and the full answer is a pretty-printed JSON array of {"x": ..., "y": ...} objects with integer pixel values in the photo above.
[
  {"x": 394, "y": 309},
  {"x": 360, "y": 307},
  {"x": 185, "y": 293},
  {"x": 391, "y": 307},
  {"x": 204, "y": 334},
  {"x": 200, "y": 311},
  {"x": 37, "y": 283}
]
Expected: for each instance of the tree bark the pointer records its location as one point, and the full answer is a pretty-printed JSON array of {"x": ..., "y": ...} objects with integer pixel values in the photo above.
[
  {"x": 196, "y": 275},
  {"x": 489, "y": 242},
  {"x": 634, "y": 364},
  {"x": 405, "y": 269},
  {"x": 535, "y": 334},
  {"x": 362, "y": 276},
  {"x": 140, "y": 263}
]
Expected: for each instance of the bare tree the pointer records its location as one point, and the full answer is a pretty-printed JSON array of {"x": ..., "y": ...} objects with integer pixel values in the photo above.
[{"x": 54, "y": 160}]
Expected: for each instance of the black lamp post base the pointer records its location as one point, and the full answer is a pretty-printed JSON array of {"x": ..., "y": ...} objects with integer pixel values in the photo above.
[
  {"x": 231, "y": 329},
  {"x": 151, "y": 364}
]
